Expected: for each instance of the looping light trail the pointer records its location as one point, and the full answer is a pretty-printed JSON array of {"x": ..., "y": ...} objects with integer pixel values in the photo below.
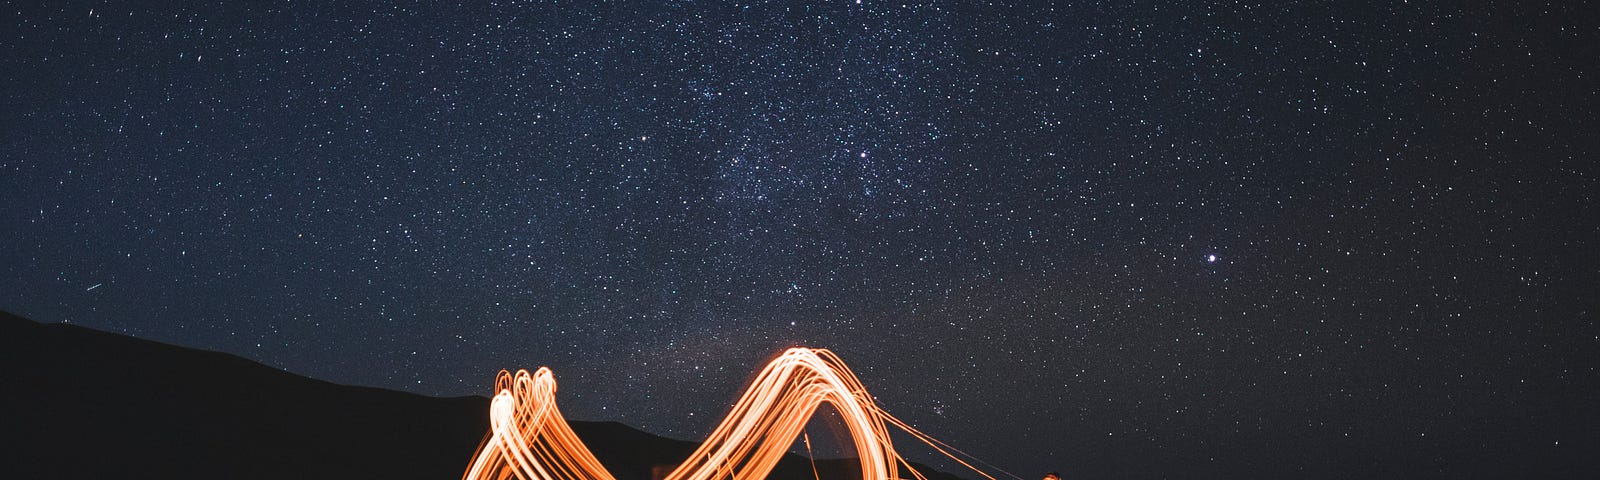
[{"x": 530, "y": 440}]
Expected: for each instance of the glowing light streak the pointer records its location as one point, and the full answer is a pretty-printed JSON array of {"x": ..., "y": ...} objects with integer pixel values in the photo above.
[{"x": 530, "y": 440}]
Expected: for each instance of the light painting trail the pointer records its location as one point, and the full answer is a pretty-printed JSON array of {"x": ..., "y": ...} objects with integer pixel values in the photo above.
[{"x": 530, "y": 440}]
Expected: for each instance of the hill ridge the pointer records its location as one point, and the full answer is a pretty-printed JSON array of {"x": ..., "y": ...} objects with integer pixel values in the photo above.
[{"x": 86, "y": 403}]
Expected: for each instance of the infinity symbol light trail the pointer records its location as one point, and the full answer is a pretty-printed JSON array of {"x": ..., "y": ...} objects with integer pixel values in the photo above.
[{"x": 530, "y": 440}]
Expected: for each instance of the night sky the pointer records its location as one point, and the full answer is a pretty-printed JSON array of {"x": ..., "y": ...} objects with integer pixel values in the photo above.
[{"x": 1109, "y": 239}]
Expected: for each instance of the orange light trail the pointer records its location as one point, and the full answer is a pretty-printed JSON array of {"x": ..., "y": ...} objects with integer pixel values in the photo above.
[{"x": 530, "y": 440}]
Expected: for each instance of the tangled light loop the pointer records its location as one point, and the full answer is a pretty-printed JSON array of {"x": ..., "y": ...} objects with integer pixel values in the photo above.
[{"x": 530, "y": 440}]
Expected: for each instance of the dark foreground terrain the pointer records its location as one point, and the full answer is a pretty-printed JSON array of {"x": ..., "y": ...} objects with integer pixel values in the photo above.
[{"x": 81, "y": 403}]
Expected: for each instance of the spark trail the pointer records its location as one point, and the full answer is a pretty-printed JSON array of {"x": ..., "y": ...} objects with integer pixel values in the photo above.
[{"x": 530, "y": 440}]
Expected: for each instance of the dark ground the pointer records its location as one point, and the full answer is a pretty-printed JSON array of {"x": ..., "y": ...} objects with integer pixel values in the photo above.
[{"x": 81, "y": 403}]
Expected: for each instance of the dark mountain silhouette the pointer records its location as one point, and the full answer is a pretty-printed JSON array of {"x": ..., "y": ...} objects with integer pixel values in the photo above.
[{"x": 81, "y": 403}]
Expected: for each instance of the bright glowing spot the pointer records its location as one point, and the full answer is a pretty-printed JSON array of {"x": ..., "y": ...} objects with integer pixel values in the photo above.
[{"x": 1212, "y": 258}]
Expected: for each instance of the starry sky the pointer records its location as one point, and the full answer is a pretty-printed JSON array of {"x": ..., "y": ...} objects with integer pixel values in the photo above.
[{"x": 1114, "y": 239}]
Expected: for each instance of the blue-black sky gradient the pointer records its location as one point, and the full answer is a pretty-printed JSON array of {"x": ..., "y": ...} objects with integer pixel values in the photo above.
[{"x": 1114, "y": 239}]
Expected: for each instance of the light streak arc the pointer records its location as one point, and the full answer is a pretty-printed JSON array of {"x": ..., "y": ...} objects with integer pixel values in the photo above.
[{"x": 530, "y": 440}]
